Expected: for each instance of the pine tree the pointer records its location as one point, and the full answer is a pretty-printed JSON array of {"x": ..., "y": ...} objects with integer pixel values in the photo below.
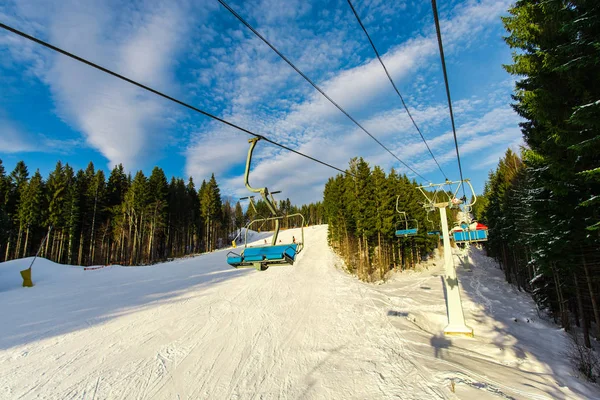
[
  {"x": 555, "y": 197},
  {"x": 4, "y": 186},
  {"x": 136, "y": 202},
  {"x": 558, "y": 94},
  {"x": 193, "y": 218},
  {"x": 56, "y": 196},
  {"x": 17, "y": 182},
  {"x": 384, "y": 216},
  {"x": 125, "y": 220},
  {"x": 158, "y": 190},
  {"x": 31, "y": 208},
  {"x": 116, "y": 223},
  {"x": 210, "y": 205},
  {"x": 239, "y": 216},
  {"x": 4, "y": 218}
]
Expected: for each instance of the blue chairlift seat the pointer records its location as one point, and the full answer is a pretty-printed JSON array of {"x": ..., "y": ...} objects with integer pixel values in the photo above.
[
  {"x": 406, "y": 232},
  {"x": 434, "y": 233},
  {"x": 264, "y": 255},
  {"x": 479, "y": 235}
]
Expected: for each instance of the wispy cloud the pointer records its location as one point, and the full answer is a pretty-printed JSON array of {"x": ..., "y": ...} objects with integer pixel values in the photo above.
[
  {"x": 12, "y": 138},
  {"x": 200, "y": 53},
  {"x": 16, "y": 139},
  {"x": 313, "y": 125},
  {"x": 125, "y": 124}
]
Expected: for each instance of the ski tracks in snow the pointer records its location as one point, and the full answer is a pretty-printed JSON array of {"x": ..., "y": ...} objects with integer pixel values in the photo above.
[{"x": 306, "y": 331}]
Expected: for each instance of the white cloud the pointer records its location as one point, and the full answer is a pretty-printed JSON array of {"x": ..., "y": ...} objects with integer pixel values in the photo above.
[
  {"x": 313, "y": 125},
  {"x": 12, "y": 138},
  {"x": 140, "y": 41},
  {"x": 15, "y": 139},
  {"x": 491, "y": 160},
  {"x": 239, "y": 78}
]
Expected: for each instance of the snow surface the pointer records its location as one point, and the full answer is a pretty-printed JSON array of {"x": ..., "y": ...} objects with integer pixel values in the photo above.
[{"x": 197, "y": 328}]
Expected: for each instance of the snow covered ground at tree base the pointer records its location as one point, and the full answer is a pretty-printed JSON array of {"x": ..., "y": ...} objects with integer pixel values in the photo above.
[
  {"x": 515, "y": 353},
  {"x": 197, "y": 328}
]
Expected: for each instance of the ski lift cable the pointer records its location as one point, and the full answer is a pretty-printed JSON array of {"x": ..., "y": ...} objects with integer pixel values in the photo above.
[
  {"x": 313, "y": 84},
  {"x": 395, "y": 87},
  {"x": 441, "y": 46},
  {"x": 149, "y": 89}
]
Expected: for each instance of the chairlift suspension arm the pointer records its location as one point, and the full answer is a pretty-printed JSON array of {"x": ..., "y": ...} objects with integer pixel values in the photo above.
[
  {"x": 264, "y": 192},
  {"x": 433, "y": 198},
  {"x": 404, "y": 216}
]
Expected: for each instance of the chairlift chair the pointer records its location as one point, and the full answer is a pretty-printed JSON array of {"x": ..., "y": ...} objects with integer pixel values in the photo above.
[
  {"x": 465, "y": 233},
  {"x": 406, "y": 232},
  {"x": 262, "y": 257},
  {"x": 433, "y": 231}
]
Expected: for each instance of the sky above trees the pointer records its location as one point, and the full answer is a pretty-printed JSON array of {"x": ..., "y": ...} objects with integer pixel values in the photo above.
[{"x": 54, "y": 108}]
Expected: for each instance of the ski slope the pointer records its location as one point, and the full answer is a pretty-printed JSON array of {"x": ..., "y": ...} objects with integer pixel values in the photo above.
[{"x": 196, "y": 328}]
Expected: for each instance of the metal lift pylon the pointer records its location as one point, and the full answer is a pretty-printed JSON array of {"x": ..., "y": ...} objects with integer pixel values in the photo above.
[{"x": 456, "y": 319}]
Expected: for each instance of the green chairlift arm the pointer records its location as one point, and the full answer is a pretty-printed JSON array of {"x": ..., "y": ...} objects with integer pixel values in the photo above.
[{"x": 264, "y": 192}]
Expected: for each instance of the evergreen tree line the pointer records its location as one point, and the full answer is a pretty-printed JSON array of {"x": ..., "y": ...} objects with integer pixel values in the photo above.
[
  {"x": 127, "y": 220},
  {"x": 542, "y": 242},
  {"x": 542, "y": 207},
  {"x": 360, "y": 208}
]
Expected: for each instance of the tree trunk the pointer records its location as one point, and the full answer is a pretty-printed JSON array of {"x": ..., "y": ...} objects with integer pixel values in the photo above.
[
  {"x": 129, "y": 241},
  {"x": 516, "y": 269},
  {"x": 360, "y": 257},
  {"x": 150, "y": 241},
  {"x": 92, "y": 241},
  {"x": 7, "y": 250},
  {"x": 26, "y": 242},
  {"x": 586, "y": 333},
  {"x": 70, "y": 250},
  {"x": 564, "y": 313},
  {"x": 122, "y": 244},
  {"x": 132, "y": 255},
  {"x": 592, "y": 296},
  {"x": 507, "y": 272},
  {"x": 418, "y": 254},
  {"x": 102, "y": 249},
  {"x": 60, "y": 247},
  {"x": 54, "y": 247},
  {"x": 80, "y": 253},
  {"x": 380, "y": 258},
  {"x": 402, "y": 256},
  {"x": 19, "y": 238},
  {"x": 367, "y": 258},
  {"x": 45, "y": 255}
]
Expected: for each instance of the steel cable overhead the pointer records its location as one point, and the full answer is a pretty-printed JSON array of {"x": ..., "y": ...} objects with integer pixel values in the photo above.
[
  {"x": 395, "y": 88},
  {"x": 441, "y": 46},
  {"x": 149, "y": 89},
  {"x": 284, "y": 58}
]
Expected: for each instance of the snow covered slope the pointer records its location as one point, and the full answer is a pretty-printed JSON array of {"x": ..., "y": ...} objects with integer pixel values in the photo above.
[{"x": 196, "y": 328}]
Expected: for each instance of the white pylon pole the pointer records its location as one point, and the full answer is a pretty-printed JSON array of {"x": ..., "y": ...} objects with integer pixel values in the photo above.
[{"x": 456, "y": 319}]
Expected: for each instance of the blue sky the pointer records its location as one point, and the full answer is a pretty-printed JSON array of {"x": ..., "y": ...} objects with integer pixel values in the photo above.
[{"x": 53, "y": 108}]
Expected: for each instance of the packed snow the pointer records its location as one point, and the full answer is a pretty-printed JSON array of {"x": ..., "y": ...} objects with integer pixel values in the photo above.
[{"x": 197, "y": 328}]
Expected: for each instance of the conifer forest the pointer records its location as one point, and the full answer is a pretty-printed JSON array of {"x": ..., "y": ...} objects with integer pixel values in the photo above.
[
  {"x": 543, "y": 206},
  {"x": 89, "y": 219},
  {"x": 361, "y": 210}
]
